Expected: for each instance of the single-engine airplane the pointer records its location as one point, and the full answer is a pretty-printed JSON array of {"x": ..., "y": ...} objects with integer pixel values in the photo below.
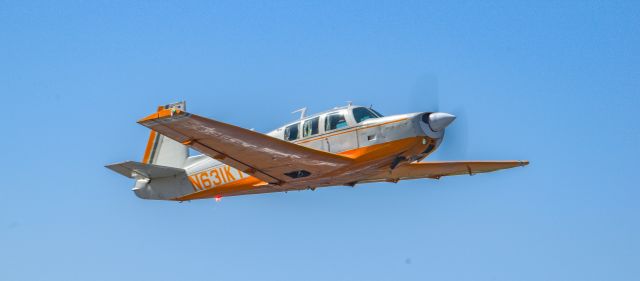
[{"x": 344, "y": 146}]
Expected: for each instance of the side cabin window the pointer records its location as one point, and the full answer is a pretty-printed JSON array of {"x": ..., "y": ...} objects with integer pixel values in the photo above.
[
  {"x": 362, "y": 113},
  {"x": 291, "y": 132},
  {"x": 334, "y": 121},
  {"x": 310, "y": 127}
]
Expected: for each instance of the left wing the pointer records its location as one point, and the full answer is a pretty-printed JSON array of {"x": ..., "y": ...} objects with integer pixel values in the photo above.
[
  {"x": 436, "y": 170},
  {"x": 272, "y": 160}
]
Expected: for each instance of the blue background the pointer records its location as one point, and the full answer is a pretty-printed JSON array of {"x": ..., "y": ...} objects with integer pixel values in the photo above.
[{"x": 552, "y": 82}]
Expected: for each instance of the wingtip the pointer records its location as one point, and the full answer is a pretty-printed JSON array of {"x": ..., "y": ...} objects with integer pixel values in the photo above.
[
  {"x": 164, "y": 113},
  {"x": 524, "y": 163}
]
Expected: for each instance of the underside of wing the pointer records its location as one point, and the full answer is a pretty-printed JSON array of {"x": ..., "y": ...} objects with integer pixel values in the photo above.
[
  {"x": 269, "y": 159},
  {"x": 436, "y": 170}
]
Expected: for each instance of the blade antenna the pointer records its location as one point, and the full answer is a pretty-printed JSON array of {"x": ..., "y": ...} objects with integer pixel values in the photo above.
[{"x": 303, "y": 112}]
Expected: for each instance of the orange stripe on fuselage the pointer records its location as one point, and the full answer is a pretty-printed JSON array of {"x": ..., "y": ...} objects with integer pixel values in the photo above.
[
  {"x": 247, "y": 183},
  {"x": 382, "y": 150}
]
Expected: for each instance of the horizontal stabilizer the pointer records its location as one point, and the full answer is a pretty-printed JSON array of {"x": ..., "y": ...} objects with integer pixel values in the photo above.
[{"x": 131, "y": 168}]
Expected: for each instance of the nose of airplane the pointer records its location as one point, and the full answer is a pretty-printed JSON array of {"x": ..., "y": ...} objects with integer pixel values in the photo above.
[{"x": 439, "y": 120}]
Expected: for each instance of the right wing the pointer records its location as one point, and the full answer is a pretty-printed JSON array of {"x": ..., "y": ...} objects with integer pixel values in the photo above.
[
  {"x": 435, "y": 170},
  {"x": 269, "y": 159}
]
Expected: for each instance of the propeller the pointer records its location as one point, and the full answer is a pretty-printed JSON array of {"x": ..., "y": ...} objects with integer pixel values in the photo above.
[
  {"x": 425, "y": 97},
  {"x": 456, "y": 138}
]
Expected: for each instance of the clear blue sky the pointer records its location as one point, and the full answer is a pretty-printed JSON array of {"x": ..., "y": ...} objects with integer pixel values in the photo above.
[{"x": 555, "y": 83}]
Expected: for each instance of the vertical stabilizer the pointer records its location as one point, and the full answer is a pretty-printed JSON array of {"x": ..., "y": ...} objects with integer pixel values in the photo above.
[{"x": 165, "y": 151}]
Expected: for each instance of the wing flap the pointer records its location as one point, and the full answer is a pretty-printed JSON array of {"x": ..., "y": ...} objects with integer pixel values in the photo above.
[
  {"x": 272, "y": 160},
  {"x": 453, "y": 168}
]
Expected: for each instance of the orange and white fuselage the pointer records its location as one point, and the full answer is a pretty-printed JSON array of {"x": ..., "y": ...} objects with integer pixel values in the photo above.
[{"x": 343, "y": 146}]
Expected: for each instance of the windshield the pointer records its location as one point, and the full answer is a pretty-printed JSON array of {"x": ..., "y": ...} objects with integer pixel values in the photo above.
[
  {"x": 376, "y": 112},
  {"x": 362, "y": 113}
]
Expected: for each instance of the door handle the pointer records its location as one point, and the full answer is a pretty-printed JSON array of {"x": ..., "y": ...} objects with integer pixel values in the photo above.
[{"x": 328, "y": 144}]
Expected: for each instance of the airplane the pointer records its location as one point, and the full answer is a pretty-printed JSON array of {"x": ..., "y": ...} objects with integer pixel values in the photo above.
[{"x": 343, "y": 146}]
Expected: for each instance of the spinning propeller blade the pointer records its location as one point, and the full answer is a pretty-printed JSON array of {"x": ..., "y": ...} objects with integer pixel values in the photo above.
[{"x": 426, "y": 97}]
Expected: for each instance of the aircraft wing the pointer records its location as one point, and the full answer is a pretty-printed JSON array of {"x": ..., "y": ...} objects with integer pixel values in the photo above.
[
  {"x": 269, "y": 159},
  {"x": 436, "y": 170}
]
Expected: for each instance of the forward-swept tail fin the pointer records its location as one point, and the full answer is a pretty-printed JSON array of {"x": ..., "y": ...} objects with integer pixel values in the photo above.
[{"x": 165, "y": 151}]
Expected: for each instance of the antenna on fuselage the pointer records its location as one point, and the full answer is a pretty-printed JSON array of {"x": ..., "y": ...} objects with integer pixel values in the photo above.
[
  {"x": 303, "y": 112},
  {"x": 349, "y": 103}
]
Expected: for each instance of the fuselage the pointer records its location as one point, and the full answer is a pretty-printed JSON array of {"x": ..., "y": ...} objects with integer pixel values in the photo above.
[{"x": 375, "y": 142}]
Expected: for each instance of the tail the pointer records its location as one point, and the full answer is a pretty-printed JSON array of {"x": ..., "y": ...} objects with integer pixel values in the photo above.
[
  {"x": 164, "y": 151},
  {"x": 153, "y": 181},
  {"x": 161, "y": 175}
]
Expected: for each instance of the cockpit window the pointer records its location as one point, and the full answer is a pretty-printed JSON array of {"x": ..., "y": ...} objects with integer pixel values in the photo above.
[
  {"x": 310, "y": 127},
  {"x": 335, "y": 121},
  {"x": 291, "y": 132},
  {"x": 362, "y": 113}
]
